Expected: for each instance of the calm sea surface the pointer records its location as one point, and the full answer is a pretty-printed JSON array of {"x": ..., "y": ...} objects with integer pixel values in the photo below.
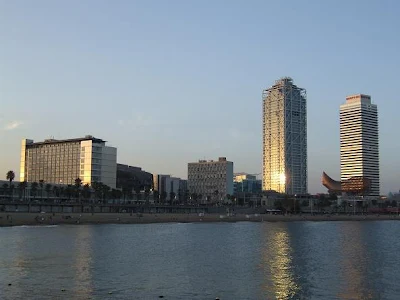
[{"x": 304, "y": 260}]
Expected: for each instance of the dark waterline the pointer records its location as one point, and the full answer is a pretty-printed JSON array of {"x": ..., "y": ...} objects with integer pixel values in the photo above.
[{"x": 298, "y": 260}]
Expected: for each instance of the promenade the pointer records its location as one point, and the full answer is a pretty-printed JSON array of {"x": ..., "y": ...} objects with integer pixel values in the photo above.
[{"x": 18, "y": 219}]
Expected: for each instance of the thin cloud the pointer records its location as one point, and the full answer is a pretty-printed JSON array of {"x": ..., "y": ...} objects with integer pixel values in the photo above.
[{"x": 13, "y": 125}]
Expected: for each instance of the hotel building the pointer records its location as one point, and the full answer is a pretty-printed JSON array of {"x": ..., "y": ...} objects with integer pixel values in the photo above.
[
  {"x": 207, "y": 178},
  {"x": 63, "y": 161},
  {"x": 285, "y": 138},
  {"x": 359, "y": 141}
]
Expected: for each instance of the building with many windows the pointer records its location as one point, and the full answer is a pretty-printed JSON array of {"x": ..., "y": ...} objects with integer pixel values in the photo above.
[
  {"x": 285, "y": 138},
  {"x": 359, "y": 141},
  {"x": 168, "y": 186},
  {"x": 246, "y": 183},
  {"x": 63, "y": 161},
  {"x": 130, "y": 178},
  {"x": 211, "y": 179}
]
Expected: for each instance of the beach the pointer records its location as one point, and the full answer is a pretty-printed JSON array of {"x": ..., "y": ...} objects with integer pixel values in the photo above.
[{"x": 18, "y": 219}]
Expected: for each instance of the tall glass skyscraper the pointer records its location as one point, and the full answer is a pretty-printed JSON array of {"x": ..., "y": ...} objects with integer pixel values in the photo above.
[
  {"x": 285, "y": 138},
  {"x": 359, "y": 140}
]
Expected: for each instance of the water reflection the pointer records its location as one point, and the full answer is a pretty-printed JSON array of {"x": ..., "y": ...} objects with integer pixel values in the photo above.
[
  {"x": 354, "y": 263},
  {"x": 277, "y": 264},
  {"x": 19, "y": 265},
  {"x": 83, "y": 263}
]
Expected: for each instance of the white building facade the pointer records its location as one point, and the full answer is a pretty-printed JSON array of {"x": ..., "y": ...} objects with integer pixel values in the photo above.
[
  {"x": 63, "y": 161},
  {"x": 285, "y": 138},
  {"x": 211, "y": 179},
  {"x": 359, "y": 141}
]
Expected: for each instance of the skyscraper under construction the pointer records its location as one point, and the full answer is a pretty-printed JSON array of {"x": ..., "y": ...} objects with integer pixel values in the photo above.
[{"x": 285, "y": 138}]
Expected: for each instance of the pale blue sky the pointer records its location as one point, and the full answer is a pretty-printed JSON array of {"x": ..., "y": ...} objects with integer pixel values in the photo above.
[{"x": 170, "y": 82}]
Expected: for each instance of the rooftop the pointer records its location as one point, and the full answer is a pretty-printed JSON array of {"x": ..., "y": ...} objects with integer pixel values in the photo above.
[{"x": 54, "y": 141}]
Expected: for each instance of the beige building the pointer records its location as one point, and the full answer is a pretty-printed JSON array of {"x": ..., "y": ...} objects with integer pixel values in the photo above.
[
  {"x": 212, "y": 179},
  {"x": 359, "y": 141},
  {"x": 63, "y": 161}
]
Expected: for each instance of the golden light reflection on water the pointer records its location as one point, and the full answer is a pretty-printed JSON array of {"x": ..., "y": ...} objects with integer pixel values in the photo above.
[
  {"x": 82, "y": 264},
  {"x": 277, "y": 264},
  {"x": 354, "y": 263}
]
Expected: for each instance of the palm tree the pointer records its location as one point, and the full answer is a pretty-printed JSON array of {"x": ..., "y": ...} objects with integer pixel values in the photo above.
[
  {"x": 68, "y": 191},
  {"x": 48, "y": 190},
  {"x": 86, "y": 191},
  {"x": 105, "y": 191},
  {"x": 77, "y": 185},
  {"x": 10, "y": 177},
  {"x": 22, "y": 187},
  {"x": 34, "y": 187},
  {"x": 41, "y": 184}
]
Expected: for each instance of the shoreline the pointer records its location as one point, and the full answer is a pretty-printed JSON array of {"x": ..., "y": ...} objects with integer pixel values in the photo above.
[{"x": 35, "y": 219}]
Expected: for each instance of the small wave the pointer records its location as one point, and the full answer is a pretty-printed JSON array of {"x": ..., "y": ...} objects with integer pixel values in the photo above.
[{"x": 36, "y": 226}]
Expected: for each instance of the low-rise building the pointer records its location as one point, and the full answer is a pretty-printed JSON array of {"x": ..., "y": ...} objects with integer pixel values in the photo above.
[
  {"x": 133, "y": 178},
  {"x": 246, "y": 183},
  {"x": 212, "y": 180},
  {"x": 63, "y": 161}
]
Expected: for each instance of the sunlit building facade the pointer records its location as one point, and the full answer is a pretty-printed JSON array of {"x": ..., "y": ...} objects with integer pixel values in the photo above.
[
  {"x": 285, "y": 138},
  {"x": 359, "y": 141},
  {"x": 210, "y": 178},
  {"x": 63, "y": 161}
]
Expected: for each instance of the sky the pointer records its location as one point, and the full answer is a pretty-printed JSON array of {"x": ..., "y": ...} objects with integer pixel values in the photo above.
[{"x": 172, "y": 82}]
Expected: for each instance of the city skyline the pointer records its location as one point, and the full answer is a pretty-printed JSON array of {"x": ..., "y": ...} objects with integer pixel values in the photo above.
[{"x": 182, "y": 82}]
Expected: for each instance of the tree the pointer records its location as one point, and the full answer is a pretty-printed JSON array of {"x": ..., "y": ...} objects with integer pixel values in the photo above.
[
  {"x": 199, "y": 197},
  {"x": 22, "y": 187},
  {"x": 146, "y": 195},
  {"x": 278, "y": 204},
  {"x": 10, "y": 177},
  {"x": 138, "y": 194},
  {"x": 216, "y": 195},
  {"x": 344, "y": 205},
  {"x": 163, "y": 196},
  {"x": 56, "y": 191},
  {"x": 77, "y": 186},
  {"x": 68, "y": 191},
  {"x": 41, "y": 184},
  {"x": 114, "y": 195},
  {"x": 105, "y": 189},
  {"x": 172, "y": 197},
  {"x": 156, "y": 196},
  {"x": 194, "y": 197},
  {"x": 34, "y": 188},
  {"x": 61, "y": 192},
  {"x": 185, "y": 197},
  {"x": 48, "y": 190},
  {"x": 5, "y": 188},
  {"x": 86, "y": 191}
]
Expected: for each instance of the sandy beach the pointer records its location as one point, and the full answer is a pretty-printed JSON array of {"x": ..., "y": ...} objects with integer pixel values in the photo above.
[{"x": 18, "y": 219}]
